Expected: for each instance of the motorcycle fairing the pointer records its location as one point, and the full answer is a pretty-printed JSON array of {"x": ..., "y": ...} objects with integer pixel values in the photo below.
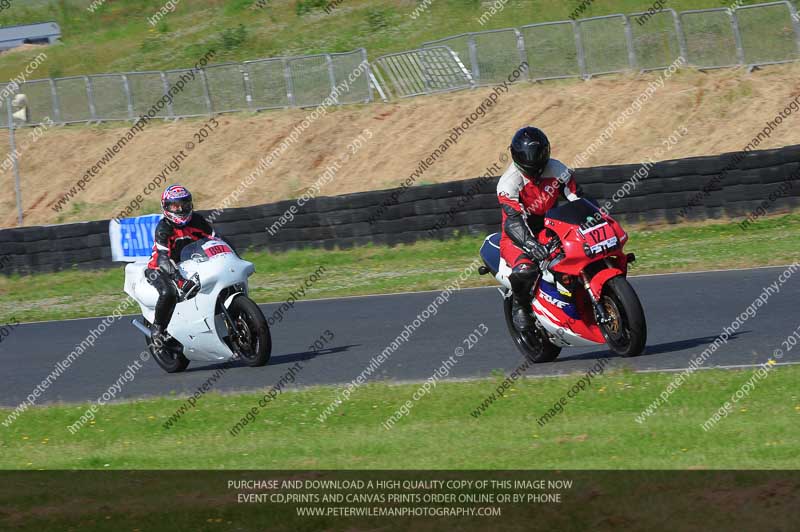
[
  {"x": 195, "y": 323},
  {"x": 490, "y": 253},
  {"x": 569, "y": 319},
  {"x": 554, "y": 297}
]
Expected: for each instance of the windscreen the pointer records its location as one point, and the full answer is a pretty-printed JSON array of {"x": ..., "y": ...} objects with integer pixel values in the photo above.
[
  {"x": 204, "y": 249},
  {"x": 575, "y": 212}
]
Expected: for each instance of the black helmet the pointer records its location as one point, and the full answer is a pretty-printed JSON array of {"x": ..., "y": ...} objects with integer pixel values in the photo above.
[{"x": 530, "y": 151}]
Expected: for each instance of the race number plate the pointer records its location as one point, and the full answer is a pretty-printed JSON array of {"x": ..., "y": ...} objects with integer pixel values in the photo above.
[
  {"x": 600, "y": 238},
  {"x": 216, "y": 247}
]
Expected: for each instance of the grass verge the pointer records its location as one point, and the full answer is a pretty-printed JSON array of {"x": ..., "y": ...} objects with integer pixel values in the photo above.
[
  {"x": 596, "y": 430},
  {"x": 424, "y": 265}
]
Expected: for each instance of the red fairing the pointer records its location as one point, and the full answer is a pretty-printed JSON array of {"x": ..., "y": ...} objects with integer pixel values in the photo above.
[
  {"x": 594, "y": 249},
  {"x": 607, "y": 239},
  {"x": 597, "y": 282},
  {"x": 585, "y": 326}
]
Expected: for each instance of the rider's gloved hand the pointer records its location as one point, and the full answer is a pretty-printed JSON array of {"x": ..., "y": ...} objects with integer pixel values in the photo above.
[{"x": 535, "y": 250}]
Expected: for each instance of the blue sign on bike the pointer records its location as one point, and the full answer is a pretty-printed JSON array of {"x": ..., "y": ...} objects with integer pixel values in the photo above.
[{"x": 132, "y": 238}]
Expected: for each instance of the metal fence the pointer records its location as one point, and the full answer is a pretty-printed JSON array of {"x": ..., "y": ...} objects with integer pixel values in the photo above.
[
  {"x": 753, "y": 35},
  {"x": 415, "y": 72},
  {"x": 249, "y": 86},
  {"x": 706, "y": 38}
]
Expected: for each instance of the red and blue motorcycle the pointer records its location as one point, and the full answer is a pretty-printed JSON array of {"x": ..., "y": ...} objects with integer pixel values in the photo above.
[{"x": 582, "y": 297}]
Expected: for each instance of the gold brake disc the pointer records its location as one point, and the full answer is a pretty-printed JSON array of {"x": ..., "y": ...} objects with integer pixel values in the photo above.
[{"x": 611, "y": 309}]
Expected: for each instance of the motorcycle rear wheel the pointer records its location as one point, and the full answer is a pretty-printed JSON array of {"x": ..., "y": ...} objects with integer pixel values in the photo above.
[
  {"x": 532, "y": 344},
  {"x": 253, "y": 342},
  {"x": 626, "y": 334},
  {"x": 170, "y": 358}
]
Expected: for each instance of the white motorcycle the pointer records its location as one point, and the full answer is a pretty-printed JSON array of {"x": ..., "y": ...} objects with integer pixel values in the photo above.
[{"x": 214, "y": 319}]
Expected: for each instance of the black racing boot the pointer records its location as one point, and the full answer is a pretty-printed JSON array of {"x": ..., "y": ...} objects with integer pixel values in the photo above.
[
  {"x": 159, "y": 338},
  {"x": 521, "y": 314},
  {"x": 522, "y": 280}
]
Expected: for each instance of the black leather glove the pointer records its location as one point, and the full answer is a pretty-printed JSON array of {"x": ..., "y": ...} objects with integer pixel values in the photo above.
[
  {"x": 535, "y": 250},
  {"x": 166, "y": 265}
]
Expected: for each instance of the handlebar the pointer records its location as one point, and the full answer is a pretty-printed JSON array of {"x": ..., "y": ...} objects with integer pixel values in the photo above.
[
  {"x": 551, "y": 246},
  {"x": 189, "y": 288}
]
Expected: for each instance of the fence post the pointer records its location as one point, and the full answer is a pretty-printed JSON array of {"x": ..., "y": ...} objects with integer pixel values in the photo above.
[
  {"x": 795, "y": 23},
  {"x": 473, "y": 58},
  {"x": 248, "y": 89},
  {"x": 523, "y": 54},
  {"x": 90, "y": 97},
  {"x": 579, "y": 49},
  {"x": 737, "y": 35},
  {"x": 332, "y": 78},
  {"x": 13, "y": 145},
  {"x": 127, "y": 88},
  {"x": 56, "y": 102},
  {"x": 367, "y": 74},
  {"x": 629, "y": 41},
  {"x": 287, "y": 76},
  {"x": 206, "y": 91},
  {"x": 165, "y": 84},
  {"x": 684, "y": 51}
]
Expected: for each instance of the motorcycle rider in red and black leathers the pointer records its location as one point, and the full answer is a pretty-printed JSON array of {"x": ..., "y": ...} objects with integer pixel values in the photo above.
[
  {"x": 179, "y": 226},
  {"x": 526, "y": 191}
]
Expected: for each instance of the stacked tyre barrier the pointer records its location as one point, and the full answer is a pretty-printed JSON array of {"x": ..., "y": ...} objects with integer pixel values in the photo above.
[{"x": 662, "y": 196}]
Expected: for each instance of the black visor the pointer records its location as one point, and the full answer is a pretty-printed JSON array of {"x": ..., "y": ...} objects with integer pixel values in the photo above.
[{"x": 181, "y": 207}]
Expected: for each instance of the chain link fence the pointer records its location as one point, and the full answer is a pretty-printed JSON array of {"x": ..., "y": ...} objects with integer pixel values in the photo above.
[
  {"x": 760, "y": 34},
  {"x": 249, "y": 86},
  {"x": 753, "y": 35}
]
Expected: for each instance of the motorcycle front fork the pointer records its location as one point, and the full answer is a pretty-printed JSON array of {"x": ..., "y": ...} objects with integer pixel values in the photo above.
[
  {"x": 601, "y": 316},
  {"x": 229, "y": 323}
]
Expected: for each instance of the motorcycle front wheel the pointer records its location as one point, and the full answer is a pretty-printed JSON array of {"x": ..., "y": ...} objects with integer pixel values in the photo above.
[
  {"x": 532, "y": 344},
  {"x": 626, "y": 332},
  {"x": 250, "y": 338}
]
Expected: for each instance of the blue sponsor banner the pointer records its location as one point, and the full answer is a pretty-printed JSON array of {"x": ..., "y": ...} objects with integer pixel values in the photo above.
[{"x": 132, "y": 238}]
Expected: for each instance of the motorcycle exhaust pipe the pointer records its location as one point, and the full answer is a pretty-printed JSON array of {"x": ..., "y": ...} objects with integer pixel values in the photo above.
[{"x": 142, "y": 328}]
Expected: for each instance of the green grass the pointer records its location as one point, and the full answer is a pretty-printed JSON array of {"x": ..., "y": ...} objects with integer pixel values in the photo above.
[
  {"x": 596, "y": 430},
  {"x": 426, "y": 265},
  {"x": 118, "y": 38}
]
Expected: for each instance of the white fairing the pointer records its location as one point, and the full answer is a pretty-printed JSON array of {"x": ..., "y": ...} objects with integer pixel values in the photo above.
[
  {"x": 502, "y": 274},
  {"x": 194, "y": 323}
]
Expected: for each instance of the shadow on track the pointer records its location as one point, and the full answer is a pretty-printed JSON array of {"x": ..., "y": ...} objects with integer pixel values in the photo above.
[
  {"x": 275, "y": 360},
  {"x": 667, "y": 347}
]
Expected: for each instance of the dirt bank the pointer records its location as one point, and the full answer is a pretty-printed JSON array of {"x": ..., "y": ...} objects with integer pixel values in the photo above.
[{"x": 722, "y": 111}]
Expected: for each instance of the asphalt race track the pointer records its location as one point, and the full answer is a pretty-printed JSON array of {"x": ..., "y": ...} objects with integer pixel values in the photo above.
[{"x": 685, "y": 312}]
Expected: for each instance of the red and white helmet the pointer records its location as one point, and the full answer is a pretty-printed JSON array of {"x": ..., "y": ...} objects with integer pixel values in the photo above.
[{"x": 176, "y": 203}]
